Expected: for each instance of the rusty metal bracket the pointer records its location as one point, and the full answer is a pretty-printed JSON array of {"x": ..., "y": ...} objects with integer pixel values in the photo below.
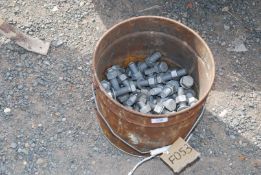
[{"x": 154, "y": 152}]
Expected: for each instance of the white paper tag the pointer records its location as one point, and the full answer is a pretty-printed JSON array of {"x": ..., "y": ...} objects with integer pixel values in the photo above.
[
  {"x": 159, "y": 120},
  {"x": 179, "y": 155}
]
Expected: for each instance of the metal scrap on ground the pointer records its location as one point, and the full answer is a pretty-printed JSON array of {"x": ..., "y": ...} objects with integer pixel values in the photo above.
[{"x": 29, "y": 43}]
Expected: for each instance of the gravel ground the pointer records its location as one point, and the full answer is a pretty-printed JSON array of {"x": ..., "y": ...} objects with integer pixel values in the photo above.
[{"x": 47, "y": 116}]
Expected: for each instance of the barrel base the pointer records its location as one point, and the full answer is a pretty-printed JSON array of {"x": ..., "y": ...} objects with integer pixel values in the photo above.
[{"x": 116, "y": 142}]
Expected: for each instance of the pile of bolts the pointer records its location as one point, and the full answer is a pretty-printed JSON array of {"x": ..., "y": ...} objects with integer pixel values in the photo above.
[{"x": 150, "y": 87}]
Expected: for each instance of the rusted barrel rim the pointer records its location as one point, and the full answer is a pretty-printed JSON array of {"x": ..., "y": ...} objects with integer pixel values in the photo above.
[{"x": 139, "y": 113}]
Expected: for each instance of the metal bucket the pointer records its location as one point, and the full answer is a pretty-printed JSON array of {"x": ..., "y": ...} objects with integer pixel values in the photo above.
[{"x": 133, "y": 40}]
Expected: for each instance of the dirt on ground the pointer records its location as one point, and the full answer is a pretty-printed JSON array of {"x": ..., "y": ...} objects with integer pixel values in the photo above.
[{"x": 47, "y": 117}]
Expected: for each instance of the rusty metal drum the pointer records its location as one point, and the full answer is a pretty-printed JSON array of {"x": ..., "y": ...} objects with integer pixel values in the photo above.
[{"x": 132, "y": 40}]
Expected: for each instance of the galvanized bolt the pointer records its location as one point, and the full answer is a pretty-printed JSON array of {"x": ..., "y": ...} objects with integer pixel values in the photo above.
[
  {"x": 123, "y": 79},
  {"x": 157, "y": 90},
  {"x": 106, "y": 85},
  {"x": 124, "y": 90},
  {"x": 151, "y": 81},
  {"x": 158, "y": 68},
  {"x": 131, "y": 100},
  {"x": 191, "y": 99},
  {"x": 186, "y": 82},
  {"x": 181, "y": 99},
  {"x": 123, "y": 98},
  {"x": 119, "y": 69},
  {"x": 136, "y": 74},
  {"x": 158, "y": 108},
  {"x": 170, "y": 104},
  {"x": 112, "y": 74},
  {"x": 144, "y": 91},
  {"x": 153, "y": 58},
  {"x": 173, "y": 74},
  {"x": 170, "y": 88},
  {"x": 142, "y": 66}
]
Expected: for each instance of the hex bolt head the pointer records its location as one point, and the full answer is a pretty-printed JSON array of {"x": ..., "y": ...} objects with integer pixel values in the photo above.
[
  {"x": 170, "y": 104},
  {"x": 162, "y": 66},
  {"x": 152, "y": 81},
  {"x": 186, "y": 82},
  {"x": 153, "y": 58},
  {"x": 123, "y": 79},
  {"x": 158, "y": 108},
  {"x": 106, "y": 85},
  {"x": 131, "y": 100}
]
